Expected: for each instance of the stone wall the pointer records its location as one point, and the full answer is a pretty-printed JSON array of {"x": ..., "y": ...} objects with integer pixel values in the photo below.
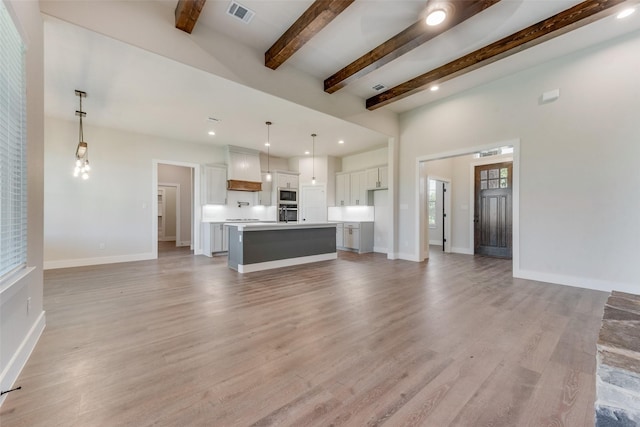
[{"x": 618, "y": 363}]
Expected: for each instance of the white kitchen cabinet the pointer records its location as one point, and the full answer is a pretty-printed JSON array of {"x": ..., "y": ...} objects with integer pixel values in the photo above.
[
  {"x": 340, "y": 235},
  {"x": 287, "y": 180},
  {"x": 216, "y": 238},
  {"x": 264, "y": 196},
  {"x": 343, "y": 189},
  {"x": 220, "y": 238},
  {"x": 357, "y": 237},
  {"x": 358, "y": 196},
  {"x": 352, "y": 237},
  {"x": 214, "y": 185},
  {"x": 378, "y": 178}
]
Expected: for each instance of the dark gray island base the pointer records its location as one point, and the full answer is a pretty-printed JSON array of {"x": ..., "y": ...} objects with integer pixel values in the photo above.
[{"x": 261, "y": 246}]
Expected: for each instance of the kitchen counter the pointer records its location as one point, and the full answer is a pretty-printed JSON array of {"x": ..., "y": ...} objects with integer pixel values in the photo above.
[{"x": 256, "y": 246}]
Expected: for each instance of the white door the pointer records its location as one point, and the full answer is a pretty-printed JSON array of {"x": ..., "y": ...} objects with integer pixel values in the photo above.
[{"x": 313, "y": 204}]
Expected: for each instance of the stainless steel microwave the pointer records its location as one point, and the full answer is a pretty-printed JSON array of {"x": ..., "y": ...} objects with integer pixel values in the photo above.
[{"x": 287, "y": 196}]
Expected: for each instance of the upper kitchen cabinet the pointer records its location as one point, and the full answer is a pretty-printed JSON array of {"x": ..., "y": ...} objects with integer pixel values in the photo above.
[
  {"x": 287, "y": 180},
  {"x": 343, "y": 189},
  {"x": 264, "y": 197},
  {"x": 215, "y": 185},
  {"x": 358, "y": 196},
  {"x": 378, "y": 178}
]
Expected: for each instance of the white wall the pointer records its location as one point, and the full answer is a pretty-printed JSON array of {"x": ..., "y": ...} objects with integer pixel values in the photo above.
[
  {"x": 274, "y": 163},
  {"x": 113, "y": 207},
  {"x": 307, "y": 171},
  {"x": 183, "y": 176},
  {"x": 382, "y": 221},
  {"x": 578, "y": 171},
  {"x": 365, "y": 160},
  {"x": 20, "y": 328}
]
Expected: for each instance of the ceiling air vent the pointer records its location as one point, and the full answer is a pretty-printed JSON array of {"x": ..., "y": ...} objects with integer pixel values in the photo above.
[
  {"x": 379, "y": 87},
  {"x": 242, "y": 13}
]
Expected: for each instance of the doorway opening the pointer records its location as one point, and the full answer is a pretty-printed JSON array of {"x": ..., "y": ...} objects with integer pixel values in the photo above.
[
  {"x": 438, "y": 212},
  {"x": 464, "y": 235},
  {"x": 176, "y": 213}
]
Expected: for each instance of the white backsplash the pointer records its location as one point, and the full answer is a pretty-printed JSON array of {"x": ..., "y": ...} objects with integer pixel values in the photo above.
[
  {"x": 351, "y": 213},
  {"x": 215, "y": 213}
]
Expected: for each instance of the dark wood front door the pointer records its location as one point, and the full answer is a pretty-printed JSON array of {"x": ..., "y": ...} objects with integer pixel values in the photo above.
[{"x": 493, "y": 210}]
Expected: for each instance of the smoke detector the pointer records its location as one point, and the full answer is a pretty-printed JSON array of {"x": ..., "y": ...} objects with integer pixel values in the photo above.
[{"x": 240, "y": 12}]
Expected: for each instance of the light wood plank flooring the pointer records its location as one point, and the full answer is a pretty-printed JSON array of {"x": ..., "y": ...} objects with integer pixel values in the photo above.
[{"x": 184, "y": 341}]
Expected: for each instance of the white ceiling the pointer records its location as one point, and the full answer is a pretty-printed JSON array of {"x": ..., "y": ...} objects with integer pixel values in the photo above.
[
  {"x": 133, "y": 89},
  {"x": 367, "y": 23}
]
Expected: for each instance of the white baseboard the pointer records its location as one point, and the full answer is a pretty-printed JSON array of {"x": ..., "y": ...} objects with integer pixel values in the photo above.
[
  {"x": 577, "y": 282},
  {"x": 19, "y": 359},
  {"x": 167, "y": 239},
  {"x": 268, "y": 265},
  {"x": 436, "y": 242},
  {"x": 184, "y": 243},
  {"x": 407, "y": 257},
  {"x": 464, "y": 251},
  {"x": 80, "y": 262},
  {"x": 379, "y": 250}
]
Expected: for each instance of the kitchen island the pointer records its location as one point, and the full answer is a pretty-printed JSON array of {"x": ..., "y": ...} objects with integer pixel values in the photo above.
[{"x": 262, "y": 246}]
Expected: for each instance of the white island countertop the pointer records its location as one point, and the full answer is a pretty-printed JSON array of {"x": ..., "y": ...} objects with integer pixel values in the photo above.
[{"x": 263, "y": 226}]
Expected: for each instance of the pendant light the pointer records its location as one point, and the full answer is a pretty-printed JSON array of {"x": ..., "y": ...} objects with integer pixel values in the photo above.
[
  {"x": 82, "y": 167},
  {"x": 313, "y": 158},
  {"x": 268, "y": 144}
]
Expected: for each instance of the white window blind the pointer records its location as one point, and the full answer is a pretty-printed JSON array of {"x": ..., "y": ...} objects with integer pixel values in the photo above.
[{"x": 13, "y": 139}]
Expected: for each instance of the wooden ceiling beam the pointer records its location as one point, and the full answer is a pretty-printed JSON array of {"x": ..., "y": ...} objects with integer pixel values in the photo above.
[
  {"x": 187, "y": 14},
  {"x": 403, "y": 42},
  {"x": 314, "y": 19},
  {"x": 570, "y": 19}
]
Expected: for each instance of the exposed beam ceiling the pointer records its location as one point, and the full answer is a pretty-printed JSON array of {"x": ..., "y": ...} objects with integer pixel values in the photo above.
[
  {"x": 187, "y": 13},
  {"x": 314, "y": 19},
  {"x": 403, "y": 42},
  {"x": 582, "y": 14}
]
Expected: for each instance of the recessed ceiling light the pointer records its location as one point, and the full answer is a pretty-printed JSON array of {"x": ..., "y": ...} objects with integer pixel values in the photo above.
[
  {"x": 436, "y": 17},
  {"x": 307, "y": 152},
  {"x": 434, "y": 88},
  {"x": 211, "y": 133},
  {"x": 625, "y": 13},
  {"x": 341, "y": 142},
  {"x": 266, "y": 144}
]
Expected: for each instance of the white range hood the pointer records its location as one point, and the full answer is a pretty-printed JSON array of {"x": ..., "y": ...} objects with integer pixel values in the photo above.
[{"x": 243, "y": 169}]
